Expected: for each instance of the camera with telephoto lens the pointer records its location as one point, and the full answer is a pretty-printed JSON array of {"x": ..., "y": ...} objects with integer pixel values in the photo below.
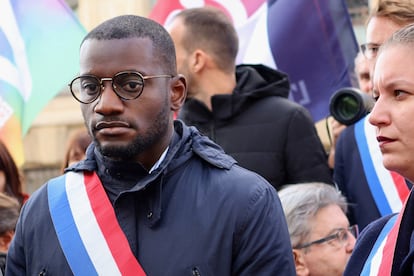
[{"x": 348, "y": 105}]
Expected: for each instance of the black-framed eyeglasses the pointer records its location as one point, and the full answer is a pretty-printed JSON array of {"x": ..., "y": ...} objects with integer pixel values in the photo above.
[
  {"x": 127, "y": 85},
  {"x": 341, "y": 236},
  {"x": 370, "y": 50}
]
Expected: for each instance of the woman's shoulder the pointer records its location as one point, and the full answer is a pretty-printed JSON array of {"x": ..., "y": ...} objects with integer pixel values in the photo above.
[{"x": 365, "y": 244}]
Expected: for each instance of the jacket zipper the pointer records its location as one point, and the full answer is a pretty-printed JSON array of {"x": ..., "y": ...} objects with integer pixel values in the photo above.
[{"x": 196, "y": 271}]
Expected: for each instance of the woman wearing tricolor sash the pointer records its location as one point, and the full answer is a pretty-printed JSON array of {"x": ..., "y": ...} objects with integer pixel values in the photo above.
[
  {"x": 153, "y": 196},
  {"x": 386, "y": 246},
  {"x": 371, "y": 189}
]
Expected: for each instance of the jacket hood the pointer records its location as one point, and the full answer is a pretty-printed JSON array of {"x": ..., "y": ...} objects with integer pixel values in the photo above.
[
  {"x": 257, "y": 80},
  {"x": 253, "y": 82}
]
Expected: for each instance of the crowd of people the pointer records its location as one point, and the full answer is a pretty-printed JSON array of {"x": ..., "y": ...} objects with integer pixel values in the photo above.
[{"x": 192, "y": 165}]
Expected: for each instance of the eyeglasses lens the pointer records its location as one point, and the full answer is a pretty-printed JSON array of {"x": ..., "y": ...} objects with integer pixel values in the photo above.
[
  {"x": 85, "y": 88},
  {"x": 128, "y": 85},
  {"x": 343, "y": 235},
  {"x": 370, "y": 50}
]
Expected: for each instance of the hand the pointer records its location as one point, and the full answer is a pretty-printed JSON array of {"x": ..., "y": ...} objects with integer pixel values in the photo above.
[{"x": 336, "y": 129}]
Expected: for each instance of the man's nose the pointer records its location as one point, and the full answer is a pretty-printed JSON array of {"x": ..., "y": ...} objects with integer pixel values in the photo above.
[{"x": 108, "y": 101}]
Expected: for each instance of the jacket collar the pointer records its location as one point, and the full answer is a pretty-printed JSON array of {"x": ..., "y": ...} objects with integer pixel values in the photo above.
[{"x": 186, "y": 142}]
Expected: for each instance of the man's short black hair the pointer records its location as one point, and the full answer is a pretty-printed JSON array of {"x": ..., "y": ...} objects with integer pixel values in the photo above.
[{"x": 133, "y": 26}]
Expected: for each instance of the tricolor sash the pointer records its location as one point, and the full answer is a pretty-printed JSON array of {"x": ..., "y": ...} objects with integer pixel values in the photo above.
[
  {"x": 380, "y": 259},
  {"x": 388, "y": 189},
  {"x": 382, "y": 256},
  {"x": 87, "y": 229}
]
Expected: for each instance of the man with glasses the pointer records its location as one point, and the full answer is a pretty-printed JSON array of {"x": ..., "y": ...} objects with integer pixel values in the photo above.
[
  {"x": 153, "y": 196},
  {"x": 322, "y": 240},
  {"x": 370, "y": 50},
  {"x": 362, "y": 72}
]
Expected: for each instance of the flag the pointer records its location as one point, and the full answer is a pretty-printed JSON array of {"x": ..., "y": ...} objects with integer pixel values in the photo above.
[
  {"x": 39, "y": 50},
  {"x": 311, "y": 40}
]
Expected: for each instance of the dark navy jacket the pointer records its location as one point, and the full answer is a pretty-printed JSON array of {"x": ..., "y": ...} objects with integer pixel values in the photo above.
[
  {"x": 364, "y": 246},
  {"x": 403, "y": 258},
  {"x": 199, "y": 212}
]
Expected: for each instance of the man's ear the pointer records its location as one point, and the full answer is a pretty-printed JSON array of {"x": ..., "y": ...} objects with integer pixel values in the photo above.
[
  {"x": 198, "y": 61},
  {"x": 300, "y": 263},
  {"x": 178, "y": 92}
]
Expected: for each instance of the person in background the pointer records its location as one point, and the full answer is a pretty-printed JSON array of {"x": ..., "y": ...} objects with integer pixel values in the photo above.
[
  {"x": 361, "y": 67},
  {"x": 321, "y": 237},
  {"x": 153, "y": 196},
  {"x": 245, "y": 108},
  {"x": 361, "y": 64},
  {"x": 386, "y": 246},
  {"x": 9, "y": 213},
  {"x": 76, "y": 147},
  {"x": 371, "y": 190},
  {"x": 336, "y": 128},
  {"x": 11, "y": 182},
  {"x": 362, "y": 72}
]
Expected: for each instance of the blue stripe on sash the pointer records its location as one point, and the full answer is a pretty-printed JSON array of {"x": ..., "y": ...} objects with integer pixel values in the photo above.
[
  {"x": 383, "y": 235},
  {"x": 66, "y": 230},
  {"x": 369, "y": 169}
]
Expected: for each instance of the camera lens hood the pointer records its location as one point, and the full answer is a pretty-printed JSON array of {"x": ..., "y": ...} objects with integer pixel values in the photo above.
[{"x": 348, "y": 105}]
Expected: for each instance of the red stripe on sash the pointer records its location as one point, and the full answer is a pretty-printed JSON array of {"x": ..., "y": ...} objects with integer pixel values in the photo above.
[
  {"x": 106, "y": 218},
  {"x": 400, "y": 185},
  {"x": 389, "y": 247}
]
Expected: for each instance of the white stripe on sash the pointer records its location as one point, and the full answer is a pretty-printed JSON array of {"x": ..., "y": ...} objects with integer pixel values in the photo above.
[
  {"x": 377, "y": 259},
  {"x": 88, "y": 227},
  {"x": 384, "y": 175}
]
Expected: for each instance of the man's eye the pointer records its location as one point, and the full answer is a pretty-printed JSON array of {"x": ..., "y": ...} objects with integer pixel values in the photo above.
[
  {"x": 364, "y": 76},
  {"x": 374, "y": 49},
  {"x": 131, "y": 86},
  {"x": 90, "y": 88}
]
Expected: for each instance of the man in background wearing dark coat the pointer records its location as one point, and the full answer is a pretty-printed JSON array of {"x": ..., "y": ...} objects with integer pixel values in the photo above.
[{"x": 245, "y": 108}]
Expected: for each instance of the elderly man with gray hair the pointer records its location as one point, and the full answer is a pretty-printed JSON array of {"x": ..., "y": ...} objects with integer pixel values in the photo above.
[{"x": 322, "y": 240}]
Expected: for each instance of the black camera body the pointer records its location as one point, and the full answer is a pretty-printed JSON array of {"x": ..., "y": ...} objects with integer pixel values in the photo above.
[{"x": 348, "y": 105}]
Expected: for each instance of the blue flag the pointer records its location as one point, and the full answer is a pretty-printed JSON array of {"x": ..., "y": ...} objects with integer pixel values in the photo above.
[{"x": 314, "y": 42}]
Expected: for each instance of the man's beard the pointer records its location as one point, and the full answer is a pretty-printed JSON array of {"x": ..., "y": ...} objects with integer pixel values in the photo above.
[{"x": 141, "y": 143}]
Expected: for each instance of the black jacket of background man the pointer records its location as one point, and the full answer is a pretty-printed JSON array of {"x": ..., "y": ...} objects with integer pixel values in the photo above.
[{"x": 262, "y": 129}]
